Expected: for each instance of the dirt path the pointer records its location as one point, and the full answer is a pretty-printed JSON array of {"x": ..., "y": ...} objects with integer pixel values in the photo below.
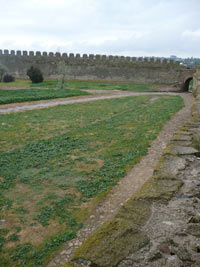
[
  {"x": 16, "y": 107},
  {"x": 128, "y": 185}
]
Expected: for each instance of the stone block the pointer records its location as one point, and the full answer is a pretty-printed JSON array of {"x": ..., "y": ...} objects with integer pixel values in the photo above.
[
  {"x": 31, "y": 53},
  {"x": 71, "y": 56},
  {"x": 85, "y": 56},
  {"x": 122, "y": 59},
  {"x": 98, "y": 57},
  {"x": 91, "y": 57},
  {"x": 38, "y": 54},
  {"x": 58, "y": 54}
]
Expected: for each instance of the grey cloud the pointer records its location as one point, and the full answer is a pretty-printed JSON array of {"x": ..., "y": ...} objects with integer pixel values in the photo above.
[{"x": 131, "y": 27}]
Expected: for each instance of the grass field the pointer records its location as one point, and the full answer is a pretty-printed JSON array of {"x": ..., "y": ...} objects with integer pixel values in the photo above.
[
  {"x": 57, "y": 163},
  {"x": 47, "y": 89},
  {"x": 42, "y": 91}
]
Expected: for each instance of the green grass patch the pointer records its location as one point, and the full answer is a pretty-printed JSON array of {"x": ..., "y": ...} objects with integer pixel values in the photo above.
[
  {"x": 96, "y": 85},
  {"x": 42, "y": 91},
  {"x": 56, "y": 162},
  {"x": 49, "y": 89}
]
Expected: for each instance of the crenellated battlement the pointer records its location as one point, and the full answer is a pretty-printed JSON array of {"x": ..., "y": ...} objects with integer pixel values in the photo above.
[
  {"x": 89, "y": 58},
  {"x": 97, "y": 67}
]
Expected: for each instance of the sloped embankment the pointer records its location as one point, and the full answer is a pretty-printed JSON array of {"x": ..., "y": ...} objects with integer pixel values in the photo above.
[{"x": 160, "y": 224}]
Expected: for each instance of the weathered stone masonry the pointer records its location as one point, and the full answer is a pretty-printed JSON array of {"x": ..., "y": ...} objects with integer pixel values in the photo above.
[{"x": 97, "y": 67}]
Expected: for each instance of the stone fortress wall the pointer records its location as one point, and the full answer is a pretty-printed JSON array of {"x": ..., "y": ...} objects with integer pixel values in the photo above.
[{"x": 98, "y": 67}]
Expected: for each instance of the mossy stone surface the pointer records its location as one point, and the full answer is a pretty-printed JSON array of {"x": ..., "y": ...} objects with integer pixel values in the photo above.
[
  {"x": 157, "y": 188},
  {"x": 118, "y": 237},
  {"x": 137, "y": 211}
]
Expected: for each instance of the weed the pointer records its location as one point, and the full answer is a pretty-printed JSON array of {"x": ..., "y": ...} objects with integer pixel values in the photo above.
[
  {"x": 13, "y": 237},
  {"x": 4, "y": 231},
  {"x": 21, "y": 211}
]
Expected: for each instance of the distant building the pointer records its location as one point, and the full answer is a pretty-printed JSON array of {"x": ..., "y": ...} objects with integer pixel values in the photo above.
[{"x": 173, "y": 57}]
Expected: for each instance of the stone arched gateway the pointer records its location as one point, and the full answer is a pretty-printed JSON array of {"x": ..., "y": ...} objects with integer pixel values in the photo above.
[{"x": 187, "y": 83}]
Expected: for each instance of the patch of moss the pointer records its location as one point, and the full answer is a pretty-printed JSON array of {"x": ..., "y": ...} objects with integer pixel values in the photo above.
[
  {"x": 157, "y": 188},
  {"x": 137, "y": 211},
  {"x": 118, "y": 237}
]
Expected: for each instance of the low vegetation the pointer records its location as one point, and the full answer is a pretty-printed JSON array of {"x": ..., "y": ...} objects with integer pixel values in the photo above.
[
  {"x": 96, "y": 85},
  {"x": 57, "y": 163},
  {"x": 18, "y": 96},
  {"x": 50, "y": 89}
]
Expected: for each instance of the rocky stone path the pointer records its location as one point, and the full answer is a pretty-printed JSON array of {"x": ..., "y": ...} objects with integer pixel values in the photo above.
[
  {"x": 16, "y": 107},
  {"x": 127, "y": 186}
]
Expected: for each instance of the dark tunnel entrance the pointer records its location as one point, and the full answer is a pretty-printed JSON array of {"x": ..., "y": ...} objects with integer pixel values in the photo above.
[{"x": 186, "y": 86}]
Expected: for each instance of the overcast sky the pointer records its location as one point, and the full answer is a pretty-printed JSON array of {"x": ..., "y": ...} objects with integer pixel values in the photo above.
[{"x": 111, "y": 27}]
